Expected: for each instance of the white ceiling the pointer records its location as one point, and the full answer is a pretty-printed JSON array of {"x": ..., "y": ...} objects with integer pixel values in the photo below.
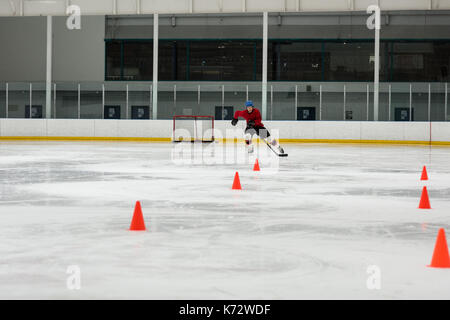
[{"x": 119, "y": 7}]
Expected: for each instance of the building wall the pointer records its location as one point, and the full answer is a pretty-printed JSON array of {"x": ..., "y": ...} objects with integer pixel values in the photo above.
[
  {"x": 23, "y": 45},
  {"x": 78, "y": 55}
]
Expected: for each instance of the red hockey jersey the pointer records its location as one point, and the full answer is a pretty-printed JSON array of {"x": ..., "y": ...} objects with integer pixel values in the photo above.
[{"x": 255, "y": 115}]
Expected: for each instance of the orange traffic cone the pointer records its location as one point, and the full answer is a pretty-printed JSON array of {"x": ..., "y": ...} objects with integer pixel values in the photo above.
[
  {"x": 424, "y": 201},
  {"x": 236, "y": 182},
  {"x": 256, "y": 166},
  {"x": 137, "y": 224},
  {"x": 441, "y": 258},
  {"x": 424, "y": 174}
]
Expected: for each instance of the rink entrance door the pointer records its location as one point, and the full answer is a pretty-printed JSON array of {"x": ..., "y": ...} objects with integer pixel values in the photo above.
[
  {"x": 402, "y": 114},
  {"x": 112, "y": 112},
  {"x": 36, "y": 111},
  {"x": 224, "y": 113},
  {"x": 140, "y": 112},
  {"x": 306, "y": 113}
]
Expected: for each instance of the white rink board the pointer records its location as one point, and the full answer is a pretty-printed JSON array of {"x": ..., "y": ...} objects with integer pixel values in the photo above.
[
  {"x": 388, "y": 131},
  {"x": 23, "y": 127},
  {"x": 337, "y": 130},
  {"x": 106, "y": 128},
  {"x": 84, "y": 128},
  {"x": 304, "y": 130},
  {"x": 440, "y": 131},
  {"x": 417, "y": 131}
]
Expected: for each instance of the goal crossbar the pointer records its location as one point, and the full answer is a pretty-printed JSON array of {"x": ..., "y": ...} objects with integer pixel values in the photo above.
[{"x": 193, "y": 128}]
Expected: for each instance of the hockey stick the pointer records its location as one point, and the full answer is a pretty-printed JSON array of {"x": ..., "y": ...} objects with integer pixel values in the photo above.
[{"x": 274, "y": 151}]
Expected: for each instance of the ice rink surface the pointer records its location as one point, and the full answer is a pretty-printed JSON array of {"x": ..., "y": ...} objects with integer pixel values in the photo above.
[{"x": 309, "y": 230}]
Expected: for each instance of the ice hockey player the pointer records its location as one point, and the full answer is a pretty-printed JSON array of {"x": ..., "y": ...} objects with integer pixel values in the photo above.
[{"x": 254, "y": 126}]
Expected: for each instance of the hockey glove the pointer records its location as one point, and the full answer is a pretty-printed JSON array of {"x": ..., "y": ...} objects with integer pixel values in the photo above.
[{"x": 234, "y": 121}]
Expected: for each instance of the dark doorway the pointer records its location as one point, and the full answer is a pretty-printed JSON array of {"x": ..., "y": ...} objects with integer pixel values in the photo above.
[
  {"x": 226, "y": 115},
  {"x": 112, "y": 112},
  {"x": 140, "y": 112},
  {"x": 306, "y": 113},
  {"x": 36, "y": 111},
  {"x": 402, "y": 114}
]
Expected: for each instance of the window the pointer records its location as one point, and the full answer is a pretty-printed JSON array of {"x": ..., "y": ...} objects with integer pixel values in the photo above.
[
  {"x": 351, "y": 61},
  {"x": 440, "y": 62},
  {"x": 296, "y": 61},
  {"x": 240, "y": 60},
  {"x": 113, "y": 60},
  {"x": 258, "y": 64},
  {"x": 137, "y": 60},
  {"x": 221, "y": 60},
  {"x": 420, "y": 61},
  {"x": 172, "y": 60}
]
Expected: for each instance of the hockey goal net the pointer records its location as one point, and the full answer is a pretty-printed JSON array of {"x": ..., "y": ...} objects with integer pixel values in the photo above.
[{"x": 193, "y": 128}]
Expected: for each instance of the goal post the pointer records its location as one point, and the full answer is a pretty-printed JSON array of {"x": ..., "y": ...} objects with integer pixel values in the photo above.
[{"x": 193, "y": 129}]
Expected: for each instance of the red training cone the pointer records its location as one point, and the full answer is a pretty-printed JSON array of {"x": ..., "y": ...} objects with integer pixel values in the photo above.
[
  {"x": 236, "y": 182},
  {"x": 256, "y": 166},
  {"x": 137, "y": 224},
  {"x": 424, "y": 201},
  {"x": 424, "y": 174},
  {"x": 441, "y": 258}
]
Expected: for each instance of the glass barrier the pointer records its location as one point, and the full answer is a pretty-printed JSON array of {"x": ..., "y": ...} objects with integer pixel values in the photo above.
[
  {"x": 314, "y": 95},
  {"x": 384, "y": 107},
  {"x": 18, "y": 99},
  {"x": 140, "y": 100},
  {"x": 212, "y": 101},
  {"x": 419, "y": 103},
  {"x": 65, "y": 101},
  {"x": 3, "y": 100},
  {"x": 166, "y": 101},
  {"x": 438, "y": 110},
  {"x": 384, "y": 104},
  {"x": 327, "y": 101},
  {"x": 38, "y": 100},
  {"x": 401, "y": 106},
  {"x": 255, "y": 95},
  {"x": 187, "y": 100},
  {"x": 357, "y": 104},
  {"x": 115, "y": 102},
  {"x": 91, "y": 100},
  {"x": 235, "y": 97},
  {"x": 332, "y": 104},
  {"x": 281, "y": 104}
]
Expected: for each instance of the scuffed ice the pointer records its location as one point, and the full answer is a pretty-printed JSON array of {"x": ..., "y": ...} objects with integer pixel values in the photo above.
[{"x": 307, "y": 230}]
